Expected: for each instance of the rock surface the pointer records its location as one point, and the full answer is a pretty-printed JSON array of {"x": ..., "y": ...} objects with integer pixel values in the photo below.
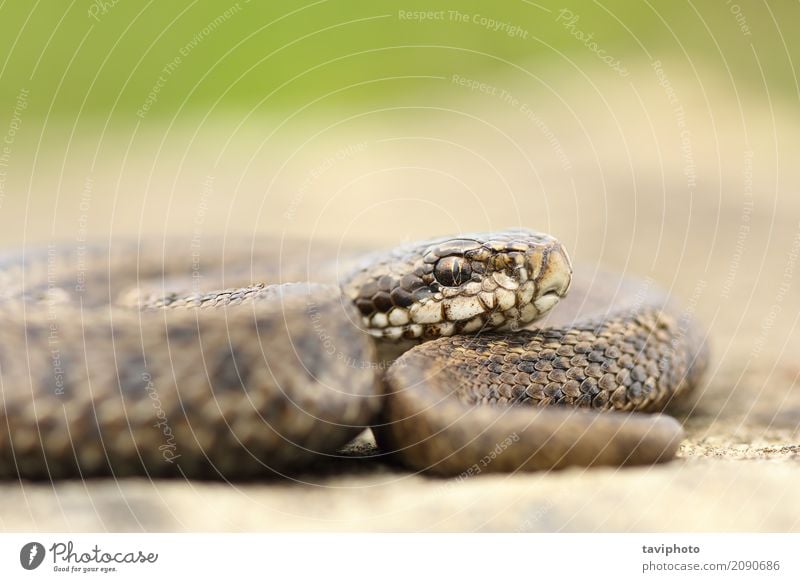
[{"x": 714, "y": 221}]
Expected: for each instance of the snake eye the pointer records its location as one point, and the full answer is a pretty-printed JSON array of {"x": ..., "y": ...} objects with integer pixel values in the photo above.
[{"x": 452, "y": 271}]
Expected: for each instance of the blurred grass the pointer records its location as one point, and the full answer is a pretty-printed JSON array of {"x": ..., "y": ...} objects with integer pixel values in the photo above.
[{"x": 99, "y": 59}]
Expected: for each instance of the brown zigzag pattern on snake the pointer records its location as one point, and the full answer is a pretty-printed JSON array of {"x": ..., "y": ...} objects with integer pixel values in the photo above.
[{"x": 106, "y": 369}]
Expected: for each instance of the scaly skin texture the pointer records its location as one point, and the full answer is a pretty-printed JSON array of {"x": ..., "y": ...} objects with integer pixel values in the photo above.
[
  {"x": 254, "y": 382},
  {"x": 179, "y": 393},
  {"x": 464, "y": 404},
  {"x": 126, "y": 359}
]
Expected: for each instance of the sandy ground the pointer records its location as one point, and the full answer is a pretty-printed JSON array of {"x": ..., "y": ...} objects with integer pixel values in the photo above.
[{"x": 687, "y": 181}]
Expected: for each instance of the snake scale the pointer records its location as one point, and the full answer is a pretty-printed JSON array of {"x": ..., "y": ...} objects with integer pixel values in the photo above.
[{"x": 126, "y": 359}]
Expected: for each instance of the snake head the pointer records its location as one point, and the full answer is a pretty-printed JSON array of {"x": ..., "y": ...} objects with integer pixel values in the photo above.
[{"x": 483, "y": 281}]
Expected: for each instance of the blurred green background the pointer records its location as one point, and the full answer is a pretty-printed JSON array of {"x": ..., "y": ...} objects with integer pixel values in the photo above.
[
  {"x": 357, "y": 119},
  {"x": 101, "y": 58},
  {"x": 341, "y": 122}
]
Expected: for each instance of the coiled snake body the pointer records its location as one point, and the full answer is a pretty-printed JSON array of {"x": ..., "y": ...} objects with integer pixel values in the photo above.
[{"x": 105, "y": 370}]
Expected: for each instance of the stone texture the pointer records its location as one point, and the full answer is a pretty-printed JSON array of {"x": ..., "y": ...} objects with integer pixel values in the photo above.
[{"x": 725, "y": 250}]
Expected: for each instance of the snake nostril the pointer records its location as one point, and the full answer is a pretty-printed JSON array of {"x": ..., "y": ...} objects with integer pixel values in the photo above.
[
  {"x": 557, "y": 274},
  {"x": 556, "y": 287},
  {"x": 553, "y": 286},
  {"x": 556, "y": 281}
]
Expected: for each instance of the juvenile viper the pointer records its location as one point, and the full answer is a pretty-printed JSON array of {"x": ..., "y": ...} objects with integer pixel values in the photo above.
[{"x": 105, "y": 370}]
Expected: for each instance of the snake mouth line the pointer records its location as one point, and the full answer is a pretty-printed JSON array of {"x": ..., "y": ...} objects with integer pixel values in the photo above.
[{"x": 547, "y": 301}]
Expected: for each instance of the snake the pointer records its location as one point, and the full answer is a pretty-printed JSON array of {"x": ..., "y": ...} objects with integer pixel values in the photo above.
[{"x": 238, "y": 358}]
